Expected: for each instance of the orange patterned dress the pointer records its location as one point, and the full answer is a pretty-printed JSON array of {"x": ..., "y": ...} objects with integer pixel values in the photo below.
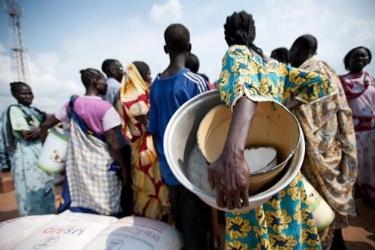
[{"x": 150, "y": 192}]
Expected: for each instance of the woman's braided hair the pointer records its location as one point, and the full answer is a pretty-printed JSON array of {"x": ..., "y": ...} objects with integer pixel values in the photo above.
[
  {"x": 89, "y": 74},
  {"x": 239, "y": 29}
]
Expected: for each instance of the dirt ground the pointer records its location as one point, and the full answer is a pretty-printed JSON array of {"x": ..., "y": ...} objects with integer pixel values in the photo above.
[{"x": 359, "y": 236}]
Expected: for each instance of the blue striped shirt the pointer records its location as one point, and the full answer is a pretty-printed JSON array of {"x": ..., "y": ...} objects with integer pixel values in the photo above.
[{"x": 166, "y": 96}]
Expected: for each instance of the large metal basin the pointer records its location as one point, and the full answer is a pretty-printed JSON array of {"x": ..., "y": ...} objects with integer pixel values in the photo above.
[{"x": 181, "y": 137}]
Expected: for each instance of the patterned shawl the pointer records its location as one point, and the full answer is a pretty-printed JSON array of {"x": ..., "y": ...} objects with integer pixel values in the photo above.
[
  {"x": 331, "y": 158},
  {"x": 134, "y": 98},
  {"x": 150, "y": 192}
]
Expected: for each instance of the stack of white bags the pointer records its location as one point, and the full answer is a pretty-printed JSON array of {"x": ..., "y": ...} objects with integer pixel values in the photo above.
[{"x": 86, "y": 231}]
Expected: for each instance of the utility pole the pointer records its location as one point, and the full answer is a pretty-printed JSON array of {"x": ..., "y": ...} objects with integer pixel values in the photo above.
[{"x": 18, "y": 60}]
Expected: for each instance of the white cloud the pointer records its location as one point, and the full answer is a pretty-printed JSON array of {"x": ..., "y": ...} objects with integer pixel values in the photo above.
[
  {"x": 5, "y": 75},
  {"x": 336, "y": 31},
  {"x": 49, "y": 87},
  {"x": 279, "y": 23},
  {"x": 209, "y": 47},
  {"x": 54, "y": 74},
  {"x": 170, "y": 11}
]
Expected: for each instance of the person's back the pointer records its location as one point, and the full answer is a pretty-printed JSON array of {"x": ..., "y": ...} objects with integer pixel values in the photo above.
[
  {"x": 336, "y": 127},
  {"x": 150, "y": 196},
  {"x": 94, "y": 111},
  {"x": 242, "y": 84},
  {"x": 114, "y": 72},
  {"x": 330, "y": 141},
  {"x": 170, "y": 90},
  {"x": 167, "y": 95},
  {"x": 94, "y": 164}
]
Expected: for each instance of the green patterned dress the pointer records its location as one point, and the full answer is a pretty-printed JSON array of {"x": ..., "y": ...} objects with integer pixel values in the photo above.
[{"x": 285, "y": 221}]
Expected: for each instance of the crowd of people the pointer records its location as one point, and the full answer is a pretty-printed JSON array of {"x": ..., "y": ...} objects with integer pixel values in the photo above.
[{"x": 115, "y": 163}]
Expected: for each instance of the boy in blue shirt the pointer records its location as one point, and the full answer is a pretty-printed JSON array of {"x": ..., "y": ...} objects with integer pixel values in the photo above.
[{"x": 170, "y": 90}]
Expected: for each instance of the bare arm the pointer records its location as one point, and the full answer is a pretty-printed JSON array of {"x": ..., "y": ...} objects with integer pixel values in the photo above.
[
  {"x": 47, "y": 124},
  {"x": 115, "y": 151},
  {"x": 230, "y": 173}
]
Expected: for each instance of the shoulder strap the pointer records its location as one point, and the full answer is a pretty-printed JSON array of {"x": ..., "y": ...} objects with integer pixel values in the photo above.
[
  {"x": 42, "y": 113},
  {"x": 72, "y": 100}
]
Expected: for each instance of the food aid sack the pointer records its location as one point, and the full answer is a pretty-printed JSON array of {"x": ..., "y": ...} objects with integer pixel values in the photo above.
[
  {"x": 136, "y": 233},
  {"x": 14, "y": 231},
  {"x": 67, "y": 231},
  {"x": 53, "y": 156}
]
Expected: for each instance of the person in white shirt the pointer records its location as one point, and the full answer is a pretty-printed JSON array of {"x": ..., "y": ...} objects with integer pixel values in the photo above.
[{"x": 114, "y": 72}]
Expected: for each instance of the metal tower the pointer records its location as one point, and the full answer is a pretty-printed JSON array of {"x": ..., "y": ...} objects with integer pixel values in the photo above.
[{"x": 18, "y": 60}]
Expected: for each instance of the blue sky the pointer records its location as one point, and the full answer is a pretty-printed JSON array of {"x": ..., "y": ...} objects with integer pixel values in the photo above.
[{"x": 63, "y": 37}]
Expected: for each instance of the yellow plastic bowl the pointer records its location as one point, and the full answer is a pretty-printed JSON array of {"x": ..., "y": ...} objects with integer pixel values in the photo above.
[
  {"x": 273, "y": 126},
  {"x": 180, "y": 140}
]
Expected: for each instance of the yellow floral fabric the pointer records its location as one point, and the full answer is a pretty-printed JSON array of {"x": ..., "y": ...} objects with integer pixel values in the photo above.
[
  {"x": 150, "y": 192},
  {"x": 246, "y": 73},
  {"x": 285, "y": 221}
]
